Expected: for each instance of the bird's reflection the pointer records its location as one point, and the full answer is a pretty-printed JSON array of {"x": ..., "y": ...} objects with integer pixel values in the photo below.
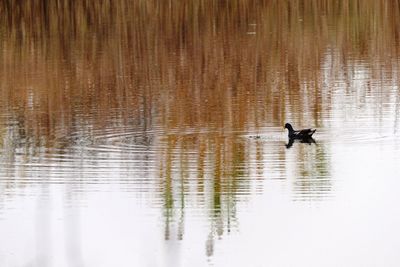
[{"x": 308, "y": 140}]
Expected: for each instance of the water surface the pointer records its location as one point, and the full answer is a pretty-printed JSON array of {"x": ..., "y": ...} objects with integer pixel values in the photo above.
[{"x": 149, "y": 134}]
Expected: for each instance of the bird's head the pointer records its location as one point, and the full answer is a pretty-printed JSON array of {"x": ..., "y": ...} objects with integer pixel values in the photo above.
[{"x": 288, "y": 126}]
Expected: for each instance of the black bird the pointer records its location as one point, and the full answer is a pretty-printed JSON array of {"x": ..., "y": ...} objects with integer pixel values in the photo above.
[{"x": 300, "y": 134}]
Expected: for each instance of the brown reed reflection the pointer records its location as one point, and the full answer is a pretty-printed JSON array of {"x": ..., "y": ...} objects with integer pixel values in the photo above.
[
  {"x": 92, "y": 58},
  {"x": 188, "y": 71},
  {"x": 195, "y": 77}
]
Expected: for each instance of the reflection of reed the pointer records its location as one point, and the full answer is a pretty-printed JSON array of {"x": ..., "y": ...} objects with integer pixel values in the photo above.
[
  {"x": 312, "y": 174},
  {"x": 189, "y": 64},
  {"x": 223, "y": 174}
]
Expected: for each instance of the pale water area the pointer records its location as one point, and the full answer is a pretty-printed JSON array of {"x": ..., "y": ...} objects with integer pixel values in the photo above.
[{"x": 147, "y": 133}]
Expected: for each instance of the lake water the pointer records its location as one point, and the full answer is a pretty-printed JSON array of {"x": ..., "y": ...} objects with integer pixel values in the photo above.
[{"x": 146, "y": 133}]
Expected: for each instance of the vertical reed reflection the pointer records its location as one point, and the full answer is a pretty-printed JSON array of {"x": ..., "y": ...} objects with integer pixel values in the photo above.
[
  {"x": 175, "y": 86},
  {"x": 223, "y": 182}
]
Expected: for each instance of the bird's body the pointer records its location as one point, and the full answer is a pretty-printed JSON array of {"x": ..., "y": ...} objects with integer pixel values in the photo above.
[{"x": 299, "y": 134}]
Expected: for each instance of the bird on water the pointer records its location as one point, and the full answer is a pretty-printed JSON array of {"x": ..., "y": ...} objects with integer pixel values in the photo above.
[{"x": 299, "y": 134}]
